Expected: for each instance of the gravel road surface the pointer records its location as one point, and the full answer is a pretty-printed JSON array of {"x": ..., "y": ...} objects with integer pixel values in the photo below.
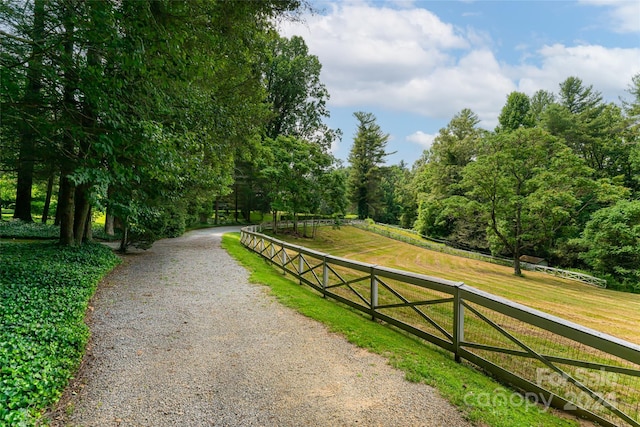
[{"x": 181, "y": 338}]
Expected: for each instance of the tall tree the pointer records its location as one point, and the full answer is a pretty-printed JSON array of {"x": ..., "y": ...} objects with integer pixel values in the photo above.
[
  {"x": 296, "y": 172},
  {"x": 540, "y": 100},
  {"x": 439, "y": 178},
  {"x": 295, "y": 93},
  {"x": 516, "y": 113},
  {"x": 593, "y": 129},
  {"x": 578, "y": 98},
  {"x": 390, "y": 208},
  {"x": 631, "y": 133},
  {"x": 32, "y": 115},
  {"x": 366, "y": 158},
  {"x": 526, "y": 188}
]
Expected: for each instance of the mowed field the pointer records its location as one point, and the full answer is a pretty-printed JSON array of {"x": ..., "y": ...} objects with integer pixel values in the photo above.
[{"x": 612, "y": 312}]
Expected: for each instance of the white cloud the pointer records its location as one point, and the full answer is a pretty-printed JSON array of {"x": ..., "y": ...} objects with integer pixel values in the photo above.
[
  {"x": 409, "y": 60},
  {"x": 624, "y": 15},
  {"x": 423, "y": 139},
  {"x": 608, "y": 70},
  {"x": 405, "y": 60}
]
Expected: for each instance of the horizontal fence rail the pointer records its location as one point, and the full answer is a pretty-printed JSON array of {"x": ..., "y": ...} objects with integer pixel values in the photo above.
[{"x": 552, "y": 361}]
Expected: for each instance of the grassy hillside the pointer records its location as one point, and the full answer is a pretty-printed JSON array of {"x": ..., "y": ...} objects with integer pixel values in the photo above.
[{"x": 615, "y": 313}]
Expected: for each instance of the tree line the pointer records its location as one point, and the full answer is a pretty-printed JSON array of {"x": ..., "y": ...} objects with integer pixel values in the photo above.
[
  {"x": 154, "y": 109},
  {"x": 157, "y": 112},
  {"x": 559, "y": 179}
]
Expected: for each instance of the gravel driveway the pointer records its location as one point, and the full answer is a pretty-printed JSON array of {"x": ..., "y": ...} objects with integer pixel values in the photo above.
[{"x": 180, "y": 338}]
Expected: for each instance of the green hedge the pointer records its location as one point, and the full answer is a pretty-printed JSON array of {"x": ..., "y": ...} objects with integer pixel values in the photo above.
[{"x": 44, "y": 293}]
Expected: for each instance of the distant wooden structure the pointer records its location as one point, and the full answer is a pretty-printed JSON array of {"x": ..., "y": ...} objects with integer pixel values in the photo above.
[{"x": 534, "y": 260}]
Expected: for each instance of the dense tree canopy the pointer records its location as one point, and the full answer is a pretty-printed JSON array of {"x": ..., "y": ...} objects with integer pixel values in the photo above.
[
  {"x": 154, "y": 111},
  {"x": 142, "y": 106},
  {"x": 526, "y": 186},
  {"x": 542, "y": 183}
]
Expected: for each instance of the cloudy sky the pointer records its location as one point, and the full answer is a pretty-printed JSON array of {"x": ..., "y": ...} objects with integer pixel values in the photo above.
[{"x": 415, "y": 64}]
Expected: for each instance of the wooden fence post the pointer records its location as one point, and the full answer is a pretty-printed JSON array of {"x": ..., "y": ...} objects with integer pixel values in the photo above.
[
  {"x": 300, "y": 266},
  {"x": 458, "y": 323},
  {"x": 325, "y": 276},
  {"x": 374, "y": 293}
]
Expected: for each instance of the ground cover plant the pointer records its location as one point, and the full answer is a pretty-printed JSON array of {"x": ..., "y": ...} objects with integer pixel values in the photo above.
[
  {"x": 482, "y": 400},
  {"x": 16, "y": 229},
  {"x": 44, "y": 294},
  {"x": 612, "y": 312}
]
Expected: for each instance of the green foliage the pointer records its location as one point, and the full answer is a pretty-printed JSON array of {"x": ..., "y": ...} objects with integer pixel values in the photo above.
[
  {"x": 17, "y": 229},
  {"x": 295, "y": 93},
  {"x": 551, "y": 192},
  {"x": 539, "y": 103},
  {"x": 366, "y": 158},
  {"x": 145, "y": 102},
  {"x": 44, "y": 292},
  {"x": 525, "y": 187},
  {"x": 516, "y": 113},
  {"x": 612, "y": 241},
  {"x": 335, "y": 200},
  {"x": 577, "y": 97},
  {"x": 440, "y": 177},
  {"x": 296, "y": 175}
]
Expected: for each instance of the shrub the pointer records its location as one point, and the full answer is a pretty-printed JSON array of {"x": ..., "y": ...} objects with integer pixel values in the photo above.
[{"x": 175, "y": 221}]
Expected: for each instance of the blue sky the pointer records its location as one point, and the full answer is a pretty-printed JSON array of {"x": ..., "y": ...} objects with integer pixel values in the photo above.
[{"x": 415, "y": 64}]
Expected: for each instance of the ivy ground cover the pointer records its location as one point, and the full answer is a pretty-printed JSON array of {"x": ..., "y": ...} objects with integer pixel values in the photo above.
[{"x": 44, "y": 293}]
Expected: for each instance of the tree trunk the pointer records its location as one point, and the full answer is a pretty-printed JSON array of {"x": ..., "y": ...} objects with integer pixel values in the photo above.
[
  {"x": 275, "y": 222},
  {"x": 295, "y": 223},
  {"x": 88, "y": 229},
  {"x": 88, "y": 120},
  {"x": 109, "y": 220},
  {"x": 216, "y": 216},
  {"x": 236, "y": 202},
  {"x": 517, "y": 270},
  {"x": 65, "y": 208},
  {"x": 26, "y": 156},
  {"x": 66, "y": 201},
  {"x": 56, "y": 221},
  {"x": 248, "y": 207},
  {"x": 517, "y": 249},
  {"x": 81, "y": 213},
  {"x": 125, "y": 237},
  {"x": 47, "y": 200}
]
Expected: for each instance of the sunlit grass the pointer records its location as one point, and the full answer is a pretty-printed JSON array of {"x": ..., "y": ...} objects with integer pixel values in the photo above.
[
  {"x": 612, "y": 312},
  {"x": 463, "y": 386}
]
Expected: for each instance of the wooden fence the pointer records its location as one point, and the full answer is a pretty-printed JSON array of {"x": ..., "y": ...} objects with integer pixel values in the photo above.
[
  {"x": 552, "y": 361},
  {"x": 447, "y": 247}
]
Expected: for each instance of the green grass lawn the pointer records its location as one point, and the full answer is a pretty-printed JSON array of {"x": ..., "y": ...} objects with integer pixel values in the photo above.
[
  {"x": 612, "y": 312},
  {"x": 480, "y": 399}
]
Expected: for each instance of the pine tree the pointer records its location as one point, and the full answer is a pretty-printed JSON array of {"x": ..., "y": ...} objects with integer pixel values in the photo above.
[{"x": 366, "y": 157}]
